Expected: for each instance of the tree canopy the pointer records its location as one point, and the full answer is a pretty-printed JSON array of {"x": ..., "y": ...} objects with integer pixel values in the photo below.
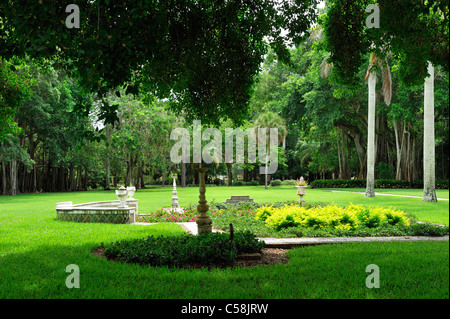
[
  {"x": 201, "y": 54},
  {"x": 414, "y": 32}
]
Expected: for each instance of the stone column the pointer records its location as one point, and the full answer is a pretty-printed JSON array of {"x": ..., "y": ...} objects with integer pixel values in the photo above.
[
  {"x": 204, "y": 222},
  {"x": 175, "y": 204}
]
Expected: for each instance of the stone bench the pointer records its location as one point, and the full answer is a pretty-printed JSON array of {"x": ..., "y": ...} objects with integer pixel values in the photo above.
[{"x": 235, "y": 199}]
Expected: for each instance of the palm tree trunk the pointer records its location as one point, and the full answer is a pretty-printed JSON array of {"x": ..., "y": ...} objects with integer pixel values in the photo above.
[
  {"x": 370, "y": 182},
  {"x": 429, "y": 192}
]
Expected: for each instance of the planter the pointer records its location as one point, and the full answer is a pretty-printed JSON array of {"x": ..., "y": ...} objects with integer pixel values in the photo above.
[
  {"x": 130, "y": 191},
  {"x": 122, "y": 194},
  {"x": 301, "y": 191}
]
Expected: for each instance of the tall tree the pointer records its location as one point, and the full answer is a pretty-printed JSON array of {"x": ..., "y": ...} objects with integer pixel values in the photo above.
[
  {"x": 371, "y": 78},
  {"x": 429, "y": 192},
  {"x": 416, "y": 32},
  {"x": 270, "y": 120}
]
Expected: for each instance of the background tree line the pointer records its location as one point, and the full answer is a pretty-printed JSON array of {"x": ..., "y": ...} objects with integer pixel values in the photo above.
[{"x": 74, "y": 116}]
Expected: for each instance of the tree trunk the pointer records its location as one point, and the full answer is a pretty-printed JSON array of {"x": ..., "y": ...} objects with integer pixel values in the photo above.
[
  {"x": 339, "y": 155},
  {"x": 429, "y": 192},
  {"x": 13, "y": 177},
  {"x": 71, "y": 180},
  {"x": 399, "y": 151},
  {"x": 183, "y": 174},
  {"x": 3, "y": 178},
  {"x": 229, "y": 174},
  {"x": 85, "y": 179},
  {"x": 370, "y": 181},
  {"x": 107, "y": 163}
]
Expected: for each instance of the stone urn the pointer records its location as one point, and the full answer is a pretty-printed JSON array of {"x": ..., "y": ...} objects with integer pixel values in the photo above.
[
  {"x": 301, "y": 191},
  {"x": 130, "y": 191},
  {"x": 122, "y": 194}
]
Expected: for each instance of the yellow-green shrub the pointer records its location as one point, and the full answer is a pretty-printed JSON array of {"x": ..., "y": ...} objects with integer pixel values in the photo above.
[
  {"x": 345, "y": 218},
  {"x": 263, "y": 212}
]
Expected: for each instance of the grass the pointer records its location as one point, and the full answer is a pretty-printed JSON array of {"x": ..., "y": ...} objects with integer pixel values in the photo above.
[
  {"x": 156, "y": 198},
  {"x": 35, "y": 249}
]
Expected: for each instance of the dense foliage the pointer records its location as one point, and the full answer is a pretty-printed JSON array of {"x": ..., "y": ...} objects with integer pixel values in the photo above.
[{"x": 202, "y": 55}]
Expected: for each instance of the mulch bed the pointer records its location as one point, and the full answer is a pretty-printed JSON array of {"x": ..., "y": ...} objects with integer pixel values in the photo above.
[{"x": 270, "y": 256}]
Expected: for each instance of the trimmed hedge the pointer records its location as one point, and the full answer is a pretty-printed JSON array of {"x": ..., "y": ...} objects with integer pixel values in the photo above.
[
  {"x": 379, "y": 183},
  {"x": 243, "y": 183},
  {"x": 213, "y": 249}
]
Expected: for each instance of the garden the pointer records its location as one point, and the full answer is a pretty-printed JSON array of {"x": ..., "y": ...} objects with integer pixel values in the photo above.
[
  {"x": 159, "y": 149},
  {"x": 36, "y": 248},
  {"x": 289, "y": 219}
]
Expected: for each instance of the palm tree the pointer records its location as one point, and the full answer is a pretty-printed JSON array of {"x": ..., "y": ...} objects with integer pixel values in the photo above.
[
  {"x": 371, "y": 78},
  {"x": 271, "y": 120},
  {"x": 429, "y": 192}
]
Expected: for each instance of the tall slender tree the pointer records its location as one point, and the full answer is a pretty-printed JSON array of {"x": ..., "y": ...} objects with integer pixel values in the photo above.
[
  {"x": 271, "y": 120},
  {"x": 429, "y": 192}
]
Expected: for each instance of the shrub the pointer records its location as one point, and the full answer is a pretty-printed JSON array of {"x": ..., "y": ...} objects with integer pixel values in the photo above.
[
  {"x": 263, "y": 212},
  {"x": 426, "y": 229},
  {"x": 285, "y": 217},
  {"x": 246, "y": 243},
  {"x": 379, "y": 183},
  {"x": 275, "y": 182},
  {"x": 213, "y": 249},
  {"x": 289, "y": 182},
  {"x": 343, "y": 218}
]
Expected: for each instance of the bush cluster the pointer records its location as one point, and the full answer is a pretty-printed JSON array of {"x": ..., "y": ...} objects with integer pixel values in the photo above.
[
  {"x": 244, "y": 183},
  {"x": 345, "y": 218},
  {"x": 214, "y": 249},
  {"x": 379, "y": 183},
  {"x": 278, "y": 182}
]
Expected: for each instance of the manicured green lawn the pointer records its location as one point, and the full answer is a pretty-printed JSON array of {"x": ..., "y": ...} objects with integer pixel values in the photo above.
[
  {"x": 35, "y": 249},
  {"x": 156, "y": 198}
]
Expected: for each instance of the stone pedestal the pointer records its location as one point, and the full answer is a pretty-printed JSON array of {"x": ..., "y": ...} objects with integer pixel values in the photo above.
[{"x": 204, "y": 222}]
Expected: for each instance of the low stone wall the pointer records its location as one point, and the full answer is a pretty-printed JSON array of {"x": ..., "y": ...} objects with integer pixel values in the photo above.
[
  {"x": 98, "y": 212},
  {"x": 235, "y": 199}
]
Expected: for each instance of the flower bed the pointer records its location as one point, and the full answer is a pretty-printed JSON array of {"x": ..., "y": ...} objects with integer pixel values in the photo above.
[
  {"x": 312, "y": 219},
  {"x": 320, "y": 220}
]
